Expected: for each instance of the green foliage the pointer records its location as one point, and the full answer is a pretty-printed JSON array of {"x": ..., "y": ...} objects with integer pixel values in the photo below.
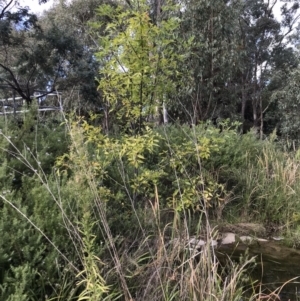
[
  {"x": 211, "y": 62},
  {"x": 31, "y": 145},
  {"x": 156, "y": 165},
  {"x": 94, "y": 284},
  {"x": 236, "y": 150},
  {"x": 65, "y": 29},
  {"x": 287, "y": 100},
  {"x": 47, "y": 53},
  {"x": 31, "y": 216},
  {"x": 117, "y": 179},
  {"x": 27, "y": 261},
  {"x": 271, "y": 187},
  {"x": 22, "y": 278},
  {"x": 140, "y": 65},
  {"x": 109, "y": 191},
  {"x": 81, "y": 192}
]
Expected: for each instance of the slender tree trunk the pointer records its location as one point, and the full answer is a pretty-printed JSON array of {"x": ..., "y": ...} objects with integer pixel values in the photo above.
[
  {"x": 210, "y": 100},
  {"x": 14, "y": 103},
  {"x": 243, "y": 110},
  {"x": 165, "y": 113},
  {"x": 261, "y": 129},
  {"x": 255, "y": 101}
]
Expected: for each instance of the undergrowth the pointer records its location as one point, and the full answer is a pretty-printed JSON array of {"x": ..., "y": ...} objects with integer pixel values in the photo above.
[{"x": 113, "y": 218}]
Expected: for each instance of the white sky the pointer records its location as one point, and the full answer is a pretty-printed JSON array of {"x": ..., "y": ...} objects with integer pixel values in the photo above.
[{"x": 35, "y": 6}]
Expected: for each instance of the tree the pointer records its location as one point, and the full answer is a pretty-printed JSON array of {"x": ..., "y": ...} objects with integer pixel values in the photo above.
[
  {"x": 139, "y": 63},
  {"x": 13, "y": 26},
  {"x": 263, "y": 41},
  {"x": 82, "y": 69},
  {"x": 237, "y": 47},
  {"x": 211, "y": 62},
  {"x": 44, "y": 55}
]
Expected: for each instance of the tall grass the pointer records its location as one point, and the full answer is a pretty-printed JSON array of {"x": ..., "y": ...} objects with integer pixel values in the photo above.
[{"x": 268, "y": 188}]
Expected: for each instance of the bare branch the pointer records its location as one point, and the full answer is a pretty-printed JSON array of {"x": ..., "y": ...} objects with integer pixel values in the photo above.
[{"x": 5, "y": 8}]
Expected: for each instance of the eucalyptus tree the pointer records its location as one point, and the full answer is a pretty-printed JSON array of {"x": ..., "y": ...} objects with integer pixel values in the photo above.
[
  {"x": 212, "y": 60},
  {"x": 285, "y": 90},
  {"x": 266, "y": 51},
  {"x": 45, "y": 54},
  {"x": 237, "y": 47},
  {"x": 15, "y": 22},
  {"x": 71, "y": 20},
  {"x": 286, "y": 100}
]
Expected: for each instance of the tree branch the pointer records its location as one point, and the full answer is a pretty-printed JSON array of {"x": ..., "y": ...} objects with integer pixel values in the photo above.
[{"x": 4, "y": 9}]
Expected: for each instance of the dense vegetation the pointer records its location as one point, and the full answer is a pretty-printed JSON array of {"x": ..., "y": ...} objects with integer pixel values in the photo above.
[{"x": 177, "y": 116}]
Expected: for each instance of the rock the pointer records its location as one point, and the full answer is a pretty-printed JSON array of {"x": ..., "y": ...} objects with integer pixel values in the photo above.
[
  {"x": 193, "y": 241},
  {"x": 277, "y": 238},
  {"x": 200, "y": 243},
  {"x": 214, "y": 243},
  {"x": 228, "y": 238},
  {"x": 246, "y": 239},
  {"x": 196, "y": 243},
  {"x": 262, "y": 240}
]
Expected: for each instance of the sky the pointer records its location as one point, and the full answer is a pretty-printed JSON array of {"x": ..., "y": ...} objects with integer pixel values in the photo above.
[{"x": 35, "y": 6}]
